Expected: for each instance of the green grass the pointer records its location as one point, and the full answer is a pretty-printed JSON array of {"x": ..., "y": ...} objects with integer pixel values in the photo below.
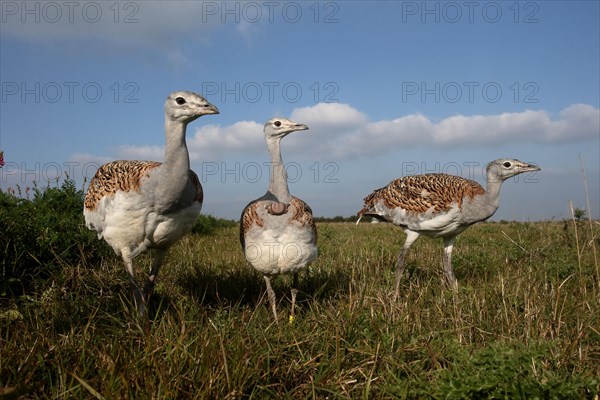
[{"x": 525, "y": 322}]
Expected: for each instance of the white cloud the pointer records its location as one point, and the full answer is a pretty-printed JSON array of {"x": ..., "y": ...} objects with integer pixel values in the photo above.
[
  {"x": 578, "y": 121},
  {"x": 130, "y": 152},
  {"x": 382, "y": 136},
  {"x": 336, "y": 116},
  {"x": 339, "y": 131},
  {"x": 211, "y": 142}
]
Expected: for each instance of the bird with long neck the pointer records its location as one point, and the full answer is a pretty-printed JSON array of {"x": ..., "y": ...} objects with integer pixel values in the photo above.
[
  {"x": 140, "y": 205},
  {"x": 439, "y": 205},
  {"x": 277, "y": 231},
  {"x": 278, "y": 185}
]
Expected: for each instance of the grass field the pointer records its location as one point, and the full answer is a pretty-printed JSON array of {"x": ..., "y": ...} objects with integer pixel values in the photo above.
[{"x": 525, "y": 322}]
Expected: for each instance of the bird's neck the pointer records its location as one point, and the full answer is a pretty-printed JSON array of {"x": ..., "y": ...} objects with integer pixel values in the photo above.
[
  {"x": 174, "y": 179},
  {"x": 177, "y": 158},
  {"x": 490, "y": 200},
  {"x": 278, "y": 183},
  {"x": 493, "y": 185}
]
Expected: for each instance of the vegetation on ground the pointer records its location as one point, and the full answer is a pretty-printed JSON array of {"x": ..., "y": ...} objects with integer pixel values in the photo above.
[{"x": 525, "y": 322}]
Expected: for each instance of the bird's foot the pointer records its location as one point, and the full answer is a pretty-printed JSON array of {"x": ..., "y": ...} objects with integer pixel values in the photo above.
[{"x": 453, "y": 285}]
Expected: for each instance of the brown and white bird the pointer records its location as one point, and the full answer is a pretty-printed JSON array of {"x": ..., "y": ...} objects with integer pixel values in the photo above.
[
  {"x": 277, "y": 231},
  {"x": 439, "y": 205},
  {"x": 141, "y": 205}
]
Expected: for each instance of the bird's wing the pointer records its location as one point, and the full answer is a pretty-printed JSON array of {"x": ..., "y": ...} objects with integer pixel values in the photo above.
[
  {"x": 117, "y": 176},
  {"x": 196, "y": 182},
  {"x": 303, "y": 215},
  {"x": 420, "y": 193},
  {"x": 249, "y": 217}
]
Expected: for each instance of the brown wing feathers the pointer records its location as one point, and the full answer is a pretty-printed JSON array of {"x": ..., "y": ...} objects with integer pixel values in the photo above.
[
  {"x": 302, "y": 213},
  {"x": 196, "y": 182},
  {"x": 249, "y": 218},
  {"x": 125, "y": 176},
  {"x": 115, "y": 176},
  {"x": 421, "y": 193}
]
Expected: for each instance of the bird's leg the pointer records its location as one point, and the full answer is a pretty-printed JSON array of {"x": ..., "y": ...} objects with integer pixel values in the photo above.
[
  {"x": 149, "y": 285},
  {"x": 138, "y": 296},
  {"x": 448, "y": 246},
  {"x": 271, "y": 295},
  {"x": 294, "y": 293},
  {"x": 410, "y": 239},
  {"x": 399, "y": 270}
]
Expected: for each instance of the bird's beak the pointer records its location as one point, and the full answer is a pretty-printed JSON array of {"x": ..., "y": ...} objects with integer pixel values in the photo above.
[
  {"x": 530, "y": 168},
  {"x": 300, "y": 127},
  {"x": 211, "y": 109}
]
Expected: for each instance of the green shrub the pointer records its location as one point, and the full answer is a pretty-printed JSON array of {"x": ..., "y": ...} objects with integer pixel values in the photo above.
[
  {"x": 41, "y": 234},
  {"x": 207, "y": 224}
]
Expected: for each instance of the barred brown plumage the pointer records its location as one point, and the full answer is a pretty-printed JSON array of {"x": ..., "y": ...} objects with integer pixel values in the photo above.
[
  {"x": 420, "y": 193},
  {"x": 303, "y": 215},
  {"x": 439, "y": 205},
  {"x": 122, "y": 175},
  {"x": 140, "y": 205},
  {"x": 297, "y": 210},
  {"x": 249, "y": 218}
]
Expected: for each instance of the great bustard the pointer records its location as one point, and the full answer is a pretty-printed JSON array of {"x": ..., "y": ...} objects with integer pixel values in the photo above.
[
  {"x": 277, "y": 231},
  {"x": 439, "y": 205},
  {"x": 140, "y": 205}
]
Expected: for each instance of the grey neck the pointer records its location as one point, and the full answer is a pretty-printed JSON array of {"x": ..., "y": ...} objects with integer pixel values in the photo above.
[
  {"x": 278, "y": 183},
  {"x": 493, "y": 185},
  {"x": 176, "y": 152},
  {"x": 174, "y": 176},
  {"x": 485, "y": 205}
]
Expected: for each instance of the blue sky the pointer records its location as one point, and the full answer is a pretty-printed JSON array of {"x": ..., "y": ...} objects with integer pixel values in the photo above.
[{"x": 387, "y": 89}]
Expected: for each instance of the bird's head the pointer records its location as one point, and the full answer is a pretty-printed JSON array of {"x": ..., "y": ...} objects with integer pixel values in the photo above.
[
  {"x": 504, "y": 168},
  {"x": 187, "y": 106},
  {"x": 278, "y": 128}
]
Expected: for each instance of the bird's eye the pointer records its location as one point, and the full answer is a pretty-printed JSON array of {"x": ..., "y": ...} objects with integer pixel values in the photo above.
[
  {"x": 277, "y": 123},
  {"x": 507, "y": 164},
  {"x": 180, "y": 100}
]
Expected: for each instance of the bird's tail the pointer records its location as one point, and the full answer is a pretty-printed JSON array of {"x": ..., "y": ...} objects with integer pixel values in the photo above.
[
  {"x": 360, "y": 214},
  {"x": 370, "y": 213}
]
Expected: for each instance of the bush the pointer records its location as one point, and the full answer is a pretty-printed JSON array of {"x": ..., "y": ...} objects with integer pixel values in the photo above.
[
  {"x": 40, "y": 235},
  {"x": 207, "y": 224},
  {"x": 339, "y": 218}
]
